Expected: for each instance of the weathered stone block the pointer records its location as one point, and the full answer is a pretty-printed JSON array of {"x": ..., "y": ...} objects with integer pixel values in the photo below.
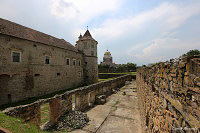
[{"x": 197, "y": 81}]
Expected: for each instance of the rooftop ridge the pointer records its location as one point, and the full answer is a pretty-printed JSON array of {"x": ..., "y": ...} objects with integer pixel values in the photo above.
[{"x": 13, "y": 29}]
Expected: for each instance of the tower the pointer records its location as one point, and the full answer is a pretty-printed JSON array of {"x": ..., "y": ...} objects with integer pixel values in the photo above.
[
  {"x": 88, "y": 46},
  {"x": 107, "y": 59}
]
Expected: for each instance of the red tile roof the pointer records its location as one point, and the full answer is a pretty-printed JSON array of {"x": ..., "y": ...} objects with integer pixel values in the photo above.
[{"x": 16, "y": 30}]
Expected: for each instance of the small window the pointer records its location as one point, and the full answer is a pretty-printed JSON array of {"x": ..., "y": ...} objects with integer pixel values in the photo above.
[
  {"x": 67, "y": 61},
  {"x": 58, "y": 74},
  {"x": 92, "y": 45},
  {"x": 79, "y": 74},
  {"x": 9, "y": 98},
  {"x": 79, "y": 62},
  {"x": 85, "y": 63},
  {"x": 74, "y": 62},
  {"x": 47, "y": 61},
  {"x": 16, "y": 56},
  {"x": 92, "y": 53},
  {"x": 37, "y": 75}
]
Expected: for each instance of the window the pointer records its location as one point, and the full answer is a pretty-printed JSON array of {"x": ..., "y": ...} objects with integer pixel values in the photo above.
[
  {"x": 47, "y": 60},
  {"x": 92, "y": 53},
  {"x": 58, "y": 74},
  {"x": 92, "y": 45},
  {"x": 16, "y": 56},
  {"x": 74, "y": 62},
  {"x": 79, "y": 62},
  {"x": 37, "y": 75},
  {"x": 9, "y": 98},
  {"x": 79, "y": 74},
  {"x": 67, "y": 61}
]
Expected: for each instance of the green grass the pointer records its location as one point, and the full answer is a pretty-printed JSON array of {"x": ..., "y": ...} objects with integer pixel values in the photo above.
[
  {"x": 104, "y": 79},
  {"x": 33, "y": 99},
  {"x": 117, "y": 102},
  {"x": 45, "y": 113},
  {"x": 133, "y": 73},
  {"x": 16, "y": 126}
]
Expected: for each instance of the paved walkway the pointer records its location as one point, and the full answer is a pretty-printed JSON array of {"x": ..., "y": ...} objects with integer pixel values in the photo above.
[{"x": 119, "y": 115}]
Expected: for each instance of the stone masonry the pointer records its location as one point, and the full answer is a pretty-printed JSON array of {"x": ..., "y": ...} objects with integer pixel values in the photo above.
[
  {"x": 33, "y": 63},
  {"x": 169, "y": 93},
  {"x": 60, "y": 104}
]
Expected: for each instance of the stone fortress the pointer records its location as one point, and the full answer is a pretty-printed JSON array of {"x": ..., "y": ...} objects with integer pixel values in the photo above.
[{"x": 33, "y": 63}]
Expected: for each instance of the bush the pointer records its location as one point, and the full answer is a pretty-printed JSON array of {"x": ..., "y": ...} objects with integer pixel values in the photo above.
[{"x": 191, "y": 53}]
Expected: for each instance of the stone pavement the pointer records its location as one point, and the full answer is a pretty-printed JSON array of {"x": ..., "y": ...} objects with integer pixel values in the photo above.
[{"x": 119, "y": 115}]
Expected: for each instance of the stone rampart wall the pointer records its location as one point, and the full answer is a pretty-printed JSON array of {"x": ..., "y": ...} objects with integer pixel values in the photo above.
[
  {"x": 169, "y": 95},
  {"x": 60, "y": 104}
]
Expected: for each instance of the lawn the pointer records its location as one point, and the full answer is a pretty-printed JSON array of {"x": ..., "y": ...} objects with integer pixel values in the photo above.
[
  {"x": 99, "y": 80},
  {"x": 33, "y": 99},
  {"x": 45, "y": 113},
  {"x": 15, "y": 125},
  {"x": 104, "y": 79},
  {"x": 133, "y": 73}
]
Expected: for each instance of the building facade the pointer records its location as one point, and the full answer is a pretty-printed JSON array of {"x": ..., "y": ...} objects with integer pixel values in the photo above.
[
  {"x": 107, "y": 59},
  {"x": 33, "y": 64}
]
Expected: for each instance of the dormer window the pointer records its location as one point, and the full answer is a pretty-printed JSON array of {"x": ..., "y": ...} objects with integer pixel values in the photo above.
[{"x": 16, "y": 56}]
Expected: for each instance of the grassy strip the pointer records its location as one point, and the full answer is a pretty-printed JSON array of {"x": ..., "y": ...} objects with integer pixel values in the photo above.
[
  {"x": 133, "y": 73},
  {"x": 104, "y": 79},
  {"x": 45, "y": 113},
  {"x": 15, "y": 125},
  {"x": 33, "y": 99}
]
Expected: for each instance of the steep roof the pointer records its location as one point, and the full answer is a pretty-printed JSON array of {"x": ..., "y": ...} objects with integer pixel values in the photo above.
[
  {"x": 16, "y": 30},
  {"x": 87, "y": 36},
  {"x": 87, "y": 33}
]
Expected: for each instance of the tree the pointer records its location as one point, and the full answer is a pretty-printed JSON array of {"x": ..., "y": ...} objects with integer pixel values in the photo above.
[
  {"x": 191, "y": 53},
  {"x": 131, "y": 67}
]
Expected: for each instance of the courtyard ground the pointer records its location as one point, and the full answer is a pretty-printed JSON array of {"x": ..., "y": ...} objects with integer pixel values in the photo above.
[{"x": 120, "y": 114}]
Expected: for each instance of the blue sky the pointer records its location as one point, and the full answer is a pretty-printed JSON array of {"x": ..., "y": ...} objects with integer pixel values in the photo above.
[{"x": 138, "y": 31}]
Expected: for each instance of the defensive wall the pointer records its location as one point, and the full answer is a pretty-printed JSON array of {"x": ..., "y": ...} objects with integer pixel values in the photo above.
[
  {"x": 60, "y": 104},
  {"x": 169, "y": 95}
]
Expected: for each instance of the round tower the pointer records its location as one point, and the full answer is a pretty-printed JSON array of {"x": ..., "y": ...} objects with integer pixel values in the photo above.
[{"x": 88, "y": 46}]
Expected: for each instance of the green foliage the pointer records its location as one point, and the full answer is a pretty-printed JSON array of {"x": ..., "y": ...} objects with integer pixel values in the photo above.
[
  {"x": 191, "y": 53},
  {"x": 118, "y": 68}
]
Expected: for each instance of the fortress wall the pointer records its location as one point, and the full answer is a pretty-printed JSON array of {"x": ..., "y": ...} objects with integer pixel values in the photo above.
[
  {"x": 32, "y": 77},
  {"x": 169, "y": 95},
  {"x": 60, "y": 104}
]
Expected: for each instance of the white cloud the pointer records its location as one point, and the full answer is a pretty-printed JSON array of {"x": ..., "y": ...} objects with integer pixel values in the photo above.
[
  {"x": 162, "y": 49},
  {"x": 165, "y": 17},
  {"x": 82, "y": 10}
]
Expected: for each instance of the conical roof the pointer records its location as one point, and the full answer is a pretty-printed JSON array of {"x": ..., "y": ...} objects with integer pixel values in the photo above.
[{"x": 87, "y": 34}]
